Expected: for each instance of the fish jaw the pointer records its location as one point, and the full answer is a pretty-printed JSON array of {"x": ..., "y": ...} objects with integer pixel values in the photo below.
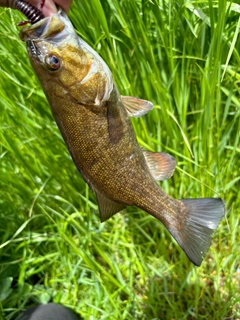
[
  {"x": 79, "y": 68},
  {"x": 51, "y": 31}
]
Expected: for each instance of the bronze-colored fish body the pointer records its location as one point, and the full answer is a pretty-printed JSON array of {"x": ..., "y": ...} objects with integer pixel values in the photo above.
[{"x": 94, "y": 121}]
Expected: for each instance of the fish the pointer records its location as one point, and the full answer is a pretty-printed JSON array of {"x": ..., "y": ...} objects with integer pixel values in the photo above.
[{"x": 94, "y": 120}]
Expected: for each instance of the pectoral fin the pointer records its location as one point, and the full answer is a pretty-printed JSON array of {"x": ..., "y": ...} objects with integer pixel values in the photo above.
[
  {"x": 161, "y": 165},
  {"x": 107, "y": 207},
  {"x": 136, "y": 107}
]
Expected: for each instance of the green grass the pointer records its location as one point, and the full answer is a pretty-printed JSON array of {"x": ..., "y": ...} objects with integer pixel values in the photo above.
[{"x": 184, "y": 57}]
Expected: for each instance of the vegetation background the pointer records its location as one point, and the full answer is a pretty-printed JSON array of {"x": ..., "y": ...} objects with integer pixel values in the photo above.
[{"x": 184, "y": 57}]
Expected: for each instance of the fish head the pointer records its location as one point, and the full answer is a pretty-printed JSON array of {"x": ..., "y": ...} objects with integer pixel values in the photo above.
[{"x": 64, "y": 63}]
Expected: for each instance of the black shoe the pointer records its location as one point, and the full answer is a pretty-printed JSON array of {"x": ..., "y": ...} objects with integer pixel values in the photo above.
[{"x": 50, "y": 311}]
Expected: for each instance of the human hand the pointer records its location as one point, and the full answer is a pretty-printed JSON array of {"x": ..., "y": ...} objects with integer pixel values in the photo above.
[{"x": 50, "y": 6}]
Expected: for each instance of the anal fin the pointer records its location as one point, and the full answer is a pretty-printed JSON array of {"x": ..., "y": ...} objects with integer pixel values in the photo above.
[
  {"x": 107, "y": 207},
  {"x": 161, "y": 165}
]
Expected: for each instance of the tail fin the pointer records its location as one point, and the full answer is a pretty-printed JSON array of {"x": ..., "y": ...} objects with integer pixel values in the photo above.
[{"x": 201, "y": 218}]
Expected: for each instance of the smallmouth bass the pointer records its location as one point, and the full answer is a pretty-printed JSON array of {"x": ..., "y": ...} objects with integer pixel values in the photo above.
[{"x": 94, "y": 121}]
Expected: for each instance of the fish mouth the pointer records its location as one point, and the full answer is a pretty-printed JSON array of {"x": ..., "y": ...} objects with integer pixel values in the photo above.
[
  {"x": 49, "y": 28},
  {"x": 53, "y": 30},
  {"x": 35, "y": 34},
  {"x": 35, "y": 31}
]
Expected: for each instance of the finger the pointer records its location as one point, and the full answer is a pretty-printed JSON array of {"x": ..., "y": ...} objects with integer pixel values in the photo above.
[
  {"x": 49, "y": 8},
  {"x": 65, "y": 5}
]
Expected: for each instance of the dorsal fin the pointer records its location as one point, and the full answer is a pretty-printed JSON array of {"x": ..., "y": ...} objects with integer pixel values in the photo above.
[
  {"x": 107, "y": 207},
  {"x": 161, "y": 165},
  {"x": 136, "y": 107}
]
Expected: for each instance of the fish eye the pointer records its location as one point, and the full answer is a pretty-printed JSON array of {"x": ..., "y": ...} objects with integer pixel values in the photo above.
[{"x": 52, "y": 61}]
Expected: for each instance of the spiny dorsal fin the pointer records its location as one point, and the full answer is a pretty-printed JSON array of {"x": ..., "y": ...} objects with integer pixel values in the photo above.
[
  {"x": 136, "y": 107},
  {"x": 107, "y": 207},
  {"x": 161, "y": 165}
]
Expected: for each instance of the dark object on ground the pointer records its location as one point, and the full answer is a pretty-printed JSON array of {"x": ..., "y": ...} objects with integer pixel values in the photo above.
[{"x": 50, "y": 311}]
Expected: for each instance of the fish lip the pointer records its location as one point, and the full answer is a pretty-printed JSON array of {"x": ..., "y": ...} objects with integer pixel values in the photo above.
[
  {"x": 26, "y": 33},
  {"x": 39, "y": 30}
]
